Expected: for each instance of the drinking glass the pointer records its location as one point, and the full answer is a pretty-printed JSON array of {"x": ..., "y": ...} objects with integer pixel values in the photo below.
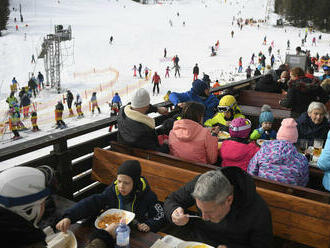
[{"x": 318, "y": 144}]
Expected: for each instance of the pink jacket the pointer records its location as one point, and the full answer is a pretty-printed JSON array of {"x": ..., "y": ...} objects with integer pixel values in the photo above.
[
  {"x": 190, "y": 140},
  {"x": 238, "y": 154}
]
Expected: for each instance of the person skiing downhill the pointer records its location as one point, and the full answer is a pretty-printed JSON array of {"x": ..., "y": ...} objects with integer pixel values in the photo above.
[
  {"x": 116, "y": 99},
  {"x": 165, "y": 52},
  {"x": 146, "y": 72}
]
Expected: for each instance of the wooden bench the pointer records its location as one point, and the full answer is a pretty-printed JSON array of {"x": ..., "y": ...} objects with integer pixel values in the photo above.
[
  {"x": 294, "y": 218},
  {"x": 259, "y": 98},
  {"x": 164, "y": 158},
  {"x": 251, "y": 101}
]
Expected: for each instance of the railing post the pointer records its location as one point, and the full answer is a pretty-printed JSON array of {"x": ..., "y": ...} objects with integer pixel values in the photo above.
[{"x": 63, "y": 169}]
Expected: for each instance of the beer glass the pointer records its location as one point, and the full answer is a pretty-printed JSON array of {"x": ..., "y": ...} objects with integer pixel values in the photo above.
[{"x": 318, "y": 144}]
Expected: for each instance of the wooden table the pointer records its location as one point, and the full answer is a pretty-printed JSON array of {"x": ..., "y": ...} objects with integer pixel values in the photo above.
[
  {"x": 83, "y": 231},
  {"x": 137, "y": 239}
]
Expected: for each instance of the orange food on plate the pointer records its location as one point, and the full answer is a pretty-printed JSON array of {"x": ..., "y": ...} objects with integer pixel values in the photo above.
[
  {"x": 110, "y": 218},
  {"x": 223, "y": 135}
]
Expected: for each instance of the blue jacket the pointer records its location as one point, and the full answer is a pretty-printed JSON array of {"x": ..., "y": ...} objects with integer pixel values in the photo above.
[
  {"x": 210, "y": 103},
  {"x": 116, "y": 99},
  {"x": 324, "y": 163},
  {"x": 145, "y": 205}
]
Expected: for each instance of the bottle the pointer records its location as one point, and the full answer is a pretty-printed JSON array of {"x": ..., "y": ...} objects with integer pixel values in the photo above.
[{"x": 122, "y": 235}]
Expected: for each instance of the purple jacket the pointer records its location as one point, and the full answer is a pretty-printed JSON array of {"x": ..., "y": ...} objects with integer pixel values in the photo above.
[{"x": 280, "y": 161}]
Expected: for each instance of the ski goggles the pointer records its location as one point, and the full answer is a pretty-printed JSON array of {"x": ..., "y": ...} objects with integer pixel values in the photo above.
[
  {"x": 223, "y": 108},
  {"x": 326, "y": 68}
]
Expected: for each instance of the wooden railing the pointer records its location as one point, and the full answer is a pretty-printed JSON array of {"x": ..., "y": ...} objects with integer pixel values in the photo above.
[{"x": 73, "y": 164}]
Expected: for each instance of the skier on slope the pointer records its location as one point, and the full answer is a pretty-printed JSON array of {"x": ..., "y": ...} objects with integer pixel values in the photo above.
[
  {"x": 69, "y": 100},
  {"x": 134, "y": 70},
  {"x": 140, "y": 70},
  {"x": 59, "y": 115},
  {"x": 156, "y": 81},
  {"x": 195, "y": 72},
  {"x": 167, "y": 72},
  {"x": 116, "y": 99},
  {"x": 94, "y": 103},
  {"x": 78, "y": 103}
]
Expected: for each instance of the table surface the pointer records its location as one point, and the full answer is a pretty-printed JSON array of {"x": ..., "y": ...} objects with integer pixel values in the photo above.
[
  {"x": 137, "y": 239},
  {"x": 83, "y": 231}
]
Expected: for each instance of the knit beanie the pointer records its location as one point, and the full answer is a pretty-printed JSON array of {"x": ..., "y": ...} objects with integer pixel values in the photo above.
[
  {"x": 266, "y": 114},
  {"x": 288, "y": 130},
  {"x": 141, "y": 98},
  {"x": 240, "y": 128},
  {"x": 132, "y": 169},
  {"x": 199, "y": 86}
]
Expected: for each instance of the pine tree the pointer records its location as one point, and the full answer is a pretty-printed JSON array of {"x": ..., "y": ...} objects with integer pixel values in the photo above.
[{"x": 4, "y": 14}]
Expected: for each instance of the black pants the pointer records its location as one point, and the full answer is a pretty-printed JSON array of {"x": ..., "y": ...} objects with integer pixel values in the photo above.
[
  {"x": 155, "y": 85},
  {"x": 69, "y": 104}
]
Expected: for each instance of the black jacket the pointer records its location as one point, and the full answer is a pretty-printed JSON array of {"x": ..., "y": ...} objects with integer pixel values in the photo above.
[
  {"x": 18, "y": 232},
  {"x": 308, "y": 130},
  {"x": 248, "y": 224},
  {"x": 144, "y": 204},
  {"x": 301, "y": 93},
  {"x": 267, "y": 84},
  {"x": 137, "y": 130},
  {"x": 196, "y": 70}
]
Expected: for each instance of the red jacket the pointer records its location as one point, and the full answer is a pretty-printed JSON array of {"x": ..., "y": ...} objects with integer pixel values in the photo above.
[
  {"x": 156, "y": 79},
  {"x": 238, "y": 154}
]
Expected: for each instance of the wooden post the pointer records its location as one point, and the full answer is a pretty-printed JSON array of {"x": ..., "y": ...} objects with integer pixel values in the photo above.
[{"x": 64, "y": 169}]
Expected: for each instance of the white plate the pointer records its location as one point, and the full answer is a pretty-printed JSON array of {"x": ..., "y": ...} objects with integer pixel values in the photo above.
[
  {"x": 129, "y": 216},
  {"x": 171, "y": 240},
  {"x": 260, "y": 141},
  {"x": 191, "y": 244},
  {"x": 72, "y": 243}
]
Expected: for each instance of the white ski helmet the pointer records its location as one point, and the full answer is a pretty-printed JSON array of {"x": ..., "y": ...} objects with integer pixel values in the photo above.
[{"x": 23, "y": 190}]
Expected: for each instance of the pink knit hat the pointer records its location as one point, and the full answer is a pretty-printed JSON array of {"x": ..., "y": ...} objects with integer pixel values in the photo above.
[
  {"x": 288, "y": 130},
  {"x": 240, "y": 128}
]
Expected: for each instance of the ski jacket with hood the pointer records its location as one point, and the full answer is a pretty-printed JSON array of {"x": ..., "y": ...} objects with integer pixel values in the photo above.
[
  {"x": 191, "y": 141},
  {"x": 233, "y": 152},
  {"x": 279, "y": 160},
  {"x": 248, "y": 223},
  {"x": 143, "y": 202},
  {"x": 196, "y": 94}
]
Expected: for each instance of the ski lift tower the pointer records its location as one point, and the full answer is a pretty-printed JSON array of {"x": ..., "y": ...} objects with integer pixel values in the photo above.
[{"x": 51, "y": 53}]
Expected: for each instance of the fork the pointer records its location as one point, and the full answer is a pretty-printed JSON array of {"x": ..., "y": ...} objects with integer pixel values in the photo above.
[{"x": 193, "y": 216}]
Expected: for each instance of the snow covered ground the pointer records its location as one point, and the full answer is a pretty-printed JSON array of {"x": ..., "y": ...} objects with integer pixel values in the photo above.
[{"x": 141, "y": 32}]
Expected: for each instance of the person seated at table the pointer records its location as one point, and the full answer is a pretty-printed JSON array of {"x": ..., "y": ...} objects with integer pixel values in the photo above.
[
  {"x": 301, "y": 92},
  {"x": 313, "y": 124},
  {"x": 268, "y": 82},
  {"x": 23, "y": 193},
  {"x": 200, "y": 92},
  {"x": 129, "y": 192},
  {"x": 190, "y": 140},
  {"x": 238, "y": 150},
  {"x": 324, "y": 163},
  {"x": 135, "y": 127},
  {"x": 279, "y": 160},
  {"x": 228, "y": 110},
  {"x": 265, "y": 130},
  {"x": 232, "y": 213}
]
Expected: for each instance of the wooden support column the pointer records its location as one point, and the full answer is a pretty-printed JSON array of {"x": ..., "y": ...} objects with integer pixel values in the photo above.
[{"x": 63, "y": 169}]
